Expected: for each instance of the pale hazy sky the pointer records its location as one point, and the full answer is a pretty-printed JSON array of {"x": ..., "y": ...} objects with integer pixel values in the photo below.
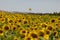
[{"x": 36, "y": 5}]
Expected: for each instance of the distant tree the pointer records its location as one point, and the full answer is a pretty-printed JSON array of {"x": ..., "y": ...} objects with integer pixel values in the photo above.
[{"x": 30, "y": 9}]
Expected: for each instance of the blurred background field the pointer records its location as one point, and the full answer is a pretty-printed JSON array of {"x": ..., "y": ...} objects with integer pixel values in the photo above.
[{"x": 37, "y": 6}]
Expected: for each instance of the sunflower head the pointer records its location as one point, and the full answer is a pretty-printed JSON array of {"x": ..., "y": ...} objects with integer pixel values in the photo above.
[{"x": 1, "y": 32}]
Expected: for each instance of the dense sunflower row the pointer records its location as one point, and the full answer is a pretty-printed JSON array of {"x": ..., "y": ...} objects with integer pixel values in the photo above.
[{"x": 29, "y": 26}]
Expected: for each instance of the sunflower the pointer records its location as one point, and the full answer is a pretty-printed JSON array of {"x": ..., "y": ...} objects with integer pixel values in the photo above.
[
  {"x": 25, "y": 24},
  {"x": 2, "y": 14},
  {"x": 53, "y": 20},
  {"x": 28, "y": 16},
  {"x": 57, "y": 25},
  {"x": 30, "y": 22},
  {"x": 47, "y": 32},
  {"x": 23, "y": 32},
  {"x": 38, "y": 21},
  {"x": 2, "y": 20},
  {"x": 55, "y": 33},
  {"x": 33, "y": 18},
  {"x": 34, "y": 35},
  {"x": 36, "y": 28},
  {"x": 58, "y": 38},
  {"x": 24, "y": 16},
  {"x": 10, "y": 21},
  {"x": 1, "y": 24},
  {"x": 41, "y": 33},
  {"x": 7, "y": 15},
  {"x": 13, "y": 17},
  {"x": 46, "y": 37},
  {"x": 58, "y": 18},
  {"x": 24, "y": 21},
  {"x": 18, "y": 21},
  {"x": 18, "y": 15},
  {"x": 22, "y": 36},
  {"x": 19, "y": 27},
  {"x": 6, "y": 27},
  {"x": 15, "y": 38},
  {"x": 13, "y": 27},
  {"x": 1, "y": 32},
  {"x": 43, "y": 25},
  {"x": 28, "y": 38},
  {"x": 29, "y": 19}
]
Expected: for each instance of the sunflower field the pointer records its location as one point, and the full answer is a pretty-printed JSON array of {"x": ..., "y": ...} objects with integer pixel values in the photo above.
[{"x": 20, "y": 26}]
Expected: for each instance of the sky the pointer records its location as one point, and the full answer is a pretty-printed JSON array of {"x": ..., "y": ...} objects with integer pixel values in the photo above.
[{"x": 37, "y": 6}]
